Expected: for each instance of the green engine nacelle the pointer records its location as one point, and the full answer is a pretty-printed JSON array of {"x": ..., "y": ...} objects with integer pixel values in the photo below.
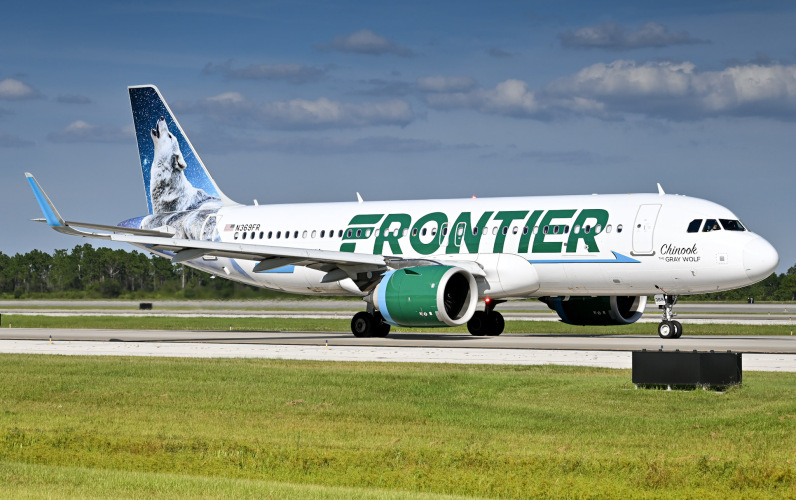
[
  {"x": 609, "y": 310},
  {"x": 428, "y": 296}
]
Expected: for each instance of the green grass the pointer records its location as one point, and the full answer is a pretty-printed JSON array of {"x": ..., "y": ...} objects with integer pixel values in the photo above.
[
  {"x": 344, "y": 325},
  {"x": 111, "y": 427}
]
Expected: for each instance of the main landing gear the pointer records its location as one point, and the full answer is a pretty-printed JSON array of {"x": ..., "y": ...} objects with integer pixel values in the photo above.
[
  {"x": 488, "y": 322},
  {"x": 669, "y": 328},
  {"x": 369, "y": 324}
]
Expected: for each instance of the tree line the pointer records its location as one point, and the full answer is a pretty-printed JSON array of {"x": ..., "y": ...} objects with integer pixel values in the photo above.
[{"x": 88, "y": 272}]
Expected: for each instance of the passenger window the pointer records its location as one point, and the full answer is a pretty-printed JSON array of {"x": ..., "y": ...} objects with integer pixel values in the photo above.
[
  {"x": 433, "y": 231},
  {"x": 505, "y": 230},
  {"x": 514, "y": 230},
  {"x": 313, "y": 234},
  {"x": 608, "y": 228},
  {"x": 304, "y": 234},
  {"x": 270, "y": 234},
  {"x": 278, "y": 234},
  {"x": 494, "y": 230},
  {"x": 475, "y": 230},
  {"x": 525, "y": 230},
  {"x": 545, "y": 229},
  {"x": 423, "y": 232},
  {"x": 295, "y": 234},
  {"x": 340, "y": 233},
  {"x": 359, "y": 233},
  {"x": 711, "y": 225},
  {"x": 414, "y": 232},
  {"x": 566, "y": 229},
  {"x": 577, "y": 229},
  {"x": 287, "y": 234},
  {"x": 236, "y": 236},
  {"x": 693, "y": 227},
  {"x": 586, "y": 229},
  {"x": 555, "y": 229},
  {"x": 261, "y": 234},
  {"x": 598, "y": 228},
  {"x": 323, "y": 233},
  {"x": 244, "y": 236},
  {"x": 348, "y": 233},
  {"x": 367, "y": 233},
  {"x": 732, "y": 225},
  {"x": 619, "y": 228},
  {"x": 252, "y": 235}
]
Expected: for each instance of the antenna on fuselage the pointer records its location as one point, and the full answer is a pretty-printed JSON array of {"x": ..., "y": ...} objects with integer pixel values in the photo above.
[
  {"x": 359, "y": 198},
  {"x": 660, "y": 190}
]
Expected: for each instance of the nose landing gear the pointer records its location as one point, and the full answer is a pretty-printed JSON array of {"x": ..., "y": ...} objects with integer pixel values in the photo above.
[{"x": 669, "y": 328}]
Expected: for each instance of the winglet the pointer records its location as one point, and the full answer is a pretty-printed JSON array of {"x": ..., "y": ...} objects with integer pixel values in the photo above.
[{"x": 50, "y": 213}]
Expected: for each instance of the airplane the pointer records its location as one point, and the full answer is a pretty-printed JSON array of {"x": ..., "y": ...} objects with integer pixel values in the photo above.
[{"x": 593, "y": 259}]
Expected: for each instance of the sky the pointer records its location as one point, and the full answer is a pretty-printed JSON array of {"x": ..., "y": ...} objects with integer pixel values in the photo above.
[{"x": 310, "y": 101}]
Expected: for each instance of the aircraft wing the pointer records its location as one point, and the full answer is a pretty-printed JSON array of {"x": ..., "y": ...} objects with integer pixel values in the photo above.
[{"x": 269, "y": 257}]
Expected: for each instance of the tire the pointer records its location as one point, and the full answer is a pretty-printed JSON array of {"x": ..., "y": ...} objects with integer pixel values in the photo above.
[
  {"x": 362, "y": 324},
  {"x": 678, "y": 329},
  {"x": 666, "y": 330},
  {"x": 478, "y": 324},
  {"x": 496, "y": 323},
  {"x": 380, "y": 327}
]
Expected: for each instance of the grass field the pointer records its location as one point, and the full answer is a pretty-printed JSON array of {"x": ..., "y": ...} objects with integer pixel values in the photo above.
[
  {"x": 344, "y": 325},
  {"x": 154, "y": 427}
]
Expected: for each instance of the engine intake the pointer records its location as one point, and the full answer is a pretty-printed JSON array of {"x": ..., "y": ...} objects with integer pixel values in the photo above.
[
  {"x": 608, "y": 310},
  {"x": 427, "y": 296}
]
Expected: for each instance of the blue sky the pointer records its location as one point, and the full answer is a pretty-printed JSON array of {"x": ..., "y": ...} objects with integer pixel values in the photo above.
[{"x": 307, "y": 101}]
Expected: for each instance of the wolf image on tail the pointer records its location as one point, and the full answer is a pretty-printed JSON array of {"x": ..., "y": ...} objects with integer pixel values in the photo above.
[
  {"x": 180, "y": 192},
  {"x": 168, "y": 186}
]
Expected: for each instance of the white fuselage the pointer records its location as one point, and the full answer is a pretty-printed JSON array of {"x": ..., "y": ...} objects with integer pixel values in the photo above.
[{"x": 635, "y": 244}]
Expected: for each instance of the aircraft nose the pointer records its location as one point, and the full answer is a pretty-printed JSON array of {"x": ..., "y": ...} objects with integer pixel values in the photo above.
[{"x": 759, "y": 259}]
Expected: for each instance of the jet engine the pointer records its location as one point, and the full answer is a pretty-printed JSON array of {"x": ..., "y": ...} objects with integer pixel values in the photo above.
[
  {"x": 426, "y": 296},
  {"x": 609, "y": 310}
]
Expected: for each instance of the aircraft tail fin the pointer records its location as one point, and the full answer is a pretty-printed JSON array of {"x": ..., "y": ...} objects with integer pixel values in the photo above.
[{"x": 175, "y": 178}]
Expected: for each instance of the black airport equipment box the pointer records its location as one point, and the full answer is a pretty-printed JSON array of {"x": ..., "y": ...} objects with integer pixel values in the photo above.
[{"x": 686, "y": 368}]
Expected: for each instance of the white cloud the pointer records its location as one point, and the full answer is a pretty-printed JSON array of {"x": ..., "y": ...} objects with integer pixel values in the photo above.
[
  {"x": 613, "y": 36},
  {"x": 80, "y": 131},
  {"x": 289, "y": 72},
  {"x": 671, "y": 90},
  {"x": 233, "y": 108},
  {"x": 366, "y": 42},
  {"x": 680, "y": 91},
  {"x": 13, "y": 90}
]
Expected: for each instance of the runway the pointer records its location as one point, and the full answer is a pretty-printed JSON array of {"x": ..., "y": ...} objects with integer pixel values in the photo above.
[
  {"x": 761, "y": 353},
  {"x": 522, "y": 310}
]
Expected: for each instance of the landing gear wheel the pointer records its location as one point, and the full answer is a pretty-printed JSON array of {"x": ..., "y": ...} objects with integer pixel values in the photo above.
[
  {"x": 496, "y": 323},
  {"x": 362, "y": 324},
  {"x": 486, "y": 324},
  {"x": 666, "y": 330},
  {"x": 678, "y": 329},
  {"x": 380, "y": 328},
  {"x": 478, "y": 324}
]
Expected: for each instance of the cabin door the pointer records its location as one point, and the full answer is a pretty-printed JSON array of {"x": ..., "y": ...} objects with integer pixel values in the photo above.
[{"x": 644, "y": 229}]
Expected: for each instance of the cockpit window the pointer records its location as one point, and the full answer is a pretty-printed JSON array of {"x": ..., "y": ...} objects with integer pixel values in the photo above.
[
  {"x": 693, "y": 227},
  {"x": 732, "y": 225},
  {"x": 711, "y": 225}
]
